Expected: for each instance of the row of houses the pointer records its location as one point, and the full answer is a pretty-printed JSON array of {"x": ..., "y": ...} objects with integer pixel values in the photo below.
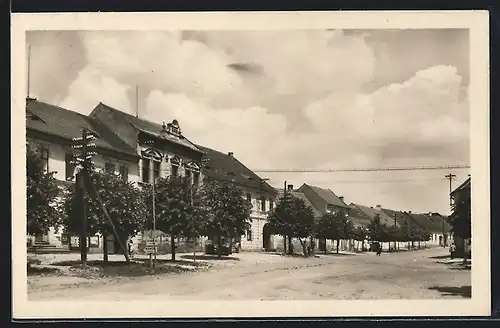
[
  {"x": 324, "y": 201},
  {"x": 141, "y": 150}
]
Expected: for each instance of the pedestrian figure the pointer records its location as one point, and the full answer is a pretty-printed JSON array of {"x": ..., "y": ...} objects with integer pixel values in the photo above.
[
  {"x": 378, "y": 249},
  {"x": 130, "y": 247}
]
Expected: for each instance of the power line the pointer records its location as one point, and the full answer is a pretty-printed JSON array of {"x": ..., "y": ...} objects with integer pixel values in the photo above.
[{"x": 416, "y": 168}]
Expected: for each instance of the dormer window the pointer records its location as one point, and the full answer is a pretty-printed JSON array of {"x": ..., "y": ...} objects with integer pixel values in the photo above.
[{"x": 174, "y": 128}]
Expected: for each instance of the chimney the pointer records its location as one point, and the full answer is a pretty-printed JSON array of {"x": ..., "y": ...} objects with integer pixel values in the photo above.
[
  {"x": 290, "y": 188},
  {"x": 340, "y": 197},
  {"x": 230, "y": 154},
  {"x": 379, "y": 207},
  {"x": 408, "y": 212}
]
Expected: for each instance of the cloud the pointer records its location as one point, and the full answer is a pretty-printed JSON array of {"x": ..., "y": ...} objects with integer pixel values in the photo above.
[
  {"x": 92, "y": 87},
  {"x": 289, "y": 99}
]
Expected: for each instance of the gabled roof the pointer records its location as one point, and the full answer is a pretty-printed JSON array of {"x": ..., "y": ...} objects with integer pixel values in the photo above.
[
  {"x": 371, "y": 212},
  {"x": 298, "y": 194},
  {"x": 144, "y": 126},
  {"x": 425, "y": 222},
  {"x": 401, "y": 217},
  {"x": 67, "y": 124},
  {"x": 440, "y": 223},
  {"x": 463, "y": 186},
  {"x": 327, "y": 195},
  {"x": 221, "y": 166},
  {"x": 357, "y": 217}
]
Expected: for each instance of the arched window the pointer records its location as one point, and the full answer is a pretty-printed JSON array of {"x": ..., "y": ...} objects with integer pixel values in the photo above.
[{"x": 175, "y": 162}]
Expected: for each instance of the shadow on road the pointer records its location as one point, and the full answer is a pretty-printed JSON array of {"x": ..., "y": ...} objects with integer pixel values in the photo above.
[
  {"x": 210, "y": 257},
  {"x": 42, "y": 271},
  {"x": 464, "y": 291},
  {"x": 440, "y": 257}
]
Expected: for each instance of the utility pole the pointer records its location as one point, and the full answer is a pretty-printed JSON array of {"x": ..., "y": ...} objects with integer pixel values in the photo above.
[
  {"x": 29, "y": 72},
  {"x": 284, "y": 199},
  {"x": 450, "y": 177},
  {"x": 136, "y": 100},
  {"x": 84, "y": 160}
]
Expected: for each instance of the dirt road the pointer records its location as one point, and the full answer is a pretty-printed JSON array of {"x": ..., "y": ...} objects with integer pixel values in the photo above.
[{"x": 406, "y": 275}]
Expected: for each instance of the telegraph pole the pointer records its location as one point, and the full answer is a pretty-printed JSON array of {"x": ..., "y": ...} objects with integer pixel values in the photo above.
[
  {"x": 29, "y": 73},
  {"x": 284, "y": 199},
  {"x": 450, "y": 177},
  {"x": 84, "y": 161}
]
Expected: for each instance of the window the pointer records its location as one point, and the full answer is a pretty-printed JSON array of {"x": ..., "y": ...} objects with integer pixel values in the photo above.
[
  {"x": 70, "y": 167},
  {"x": 263, "y": 204},
  {"x": 175, "y": 170},
  {"x": 156, "y": 169},
  {"x": 189, "y": 176},
  {"x": 249, "y": 235},
  {"x": 271, "y": 204},
  {"x": 145, "y": 170},
  {"x": 109, "y": 167},
  {"x": 196, "y": 179},
  {"x": 124, "y": 172},
  {"x": 44, "y": 156}
]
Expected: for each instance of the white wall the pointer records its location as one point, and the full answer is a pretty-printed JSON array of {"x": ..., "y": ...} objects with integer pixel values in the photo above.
[
  {"x": 57, "y": 164},
  {"x": 259, "y": 218}
]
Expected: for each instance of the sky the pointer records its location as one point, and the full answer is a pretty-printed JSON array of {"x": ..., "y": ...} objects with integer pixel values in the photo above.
[{"x": 315, "y": 99}]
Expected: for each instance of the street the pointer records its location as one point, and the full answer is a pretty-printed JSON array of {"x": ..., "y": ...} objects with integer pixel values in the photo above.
[{"x": 250, "y": 276}]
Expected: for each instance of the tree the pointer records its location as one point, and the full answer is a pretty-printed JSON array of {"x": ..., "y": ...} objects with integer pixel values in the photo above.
[
  {"x": 335, "y": 226},
  {"x": 292, "y": 218},
  {"x": 174, "y": 209},
  {"x": 460, "y": 219},
  {"x": 377, "y": 231},
  {"x": 43, "y": 208},
  {"x": 226, "y": 213},
  {"x": 359, "y": 234},
  {"x": 123, "y": 201}
]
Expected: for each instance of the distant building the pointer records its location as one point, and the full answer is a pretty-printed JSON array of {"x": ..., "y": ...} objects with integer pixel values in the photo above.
[
  {"x": 326, "y": 201},
  {"x": 279, "y": 240},
  {"x": 51, "y": 130},
  {"x": 365, "y": 215},
  {"x": 226, "y": 167}
]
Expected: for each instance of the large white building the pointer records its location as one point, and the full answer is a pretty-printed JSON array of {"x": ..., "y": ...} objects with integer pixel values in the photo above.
[
  {"x": 51, "y": 129},
  {"x": 139, "y": 151}
]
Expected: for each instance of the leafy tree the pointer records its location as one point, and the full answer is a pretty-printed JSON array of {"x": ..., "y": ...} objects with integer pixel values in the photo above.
[
  {"x": 123, "y": 201},
  {"x": 226, "y": 213},
  {"x": 294, "y": 219},
  {"x": 173, "y": 207},
  {"x": 335, "y": 226},
  {"x": 43, "y": 208},
  {"x": 359, "y": 235}
]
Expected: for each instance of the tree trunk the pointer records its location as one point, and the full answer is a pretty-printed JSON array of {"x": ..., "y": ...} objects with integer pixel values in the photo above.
[
  {"x": 338, "y": 242},
  {"x": 219, "y": 247},
  {"x": 290, "y": 246},
  {"x": 105, "y": 250},
  {"x": 304, "y": 246},
  {"x": 284, "y": 244},
  {"x": 172, "y": 246}
]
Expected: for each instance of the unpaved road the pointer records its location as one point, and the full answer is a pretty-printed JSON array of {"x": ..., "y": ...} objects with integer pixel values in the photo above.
[{"x": 405, "y": 275}]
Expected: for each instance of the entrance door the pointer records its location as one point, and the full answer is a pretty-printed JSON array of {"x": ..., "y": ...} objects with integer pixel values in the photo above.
[{"x": 267, "y": 238}]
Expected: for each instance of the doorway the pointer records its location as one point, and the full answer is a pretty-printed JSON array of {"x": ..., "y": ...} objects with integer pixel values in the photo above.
[{"x": 267, "y": 238}]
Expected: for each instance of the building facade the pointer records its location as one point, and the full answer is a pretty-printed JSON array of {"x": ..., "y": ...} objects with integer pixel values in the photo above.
[
  {"x": 50, "y": 130},
  {"x": 226, "y": 167}
]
